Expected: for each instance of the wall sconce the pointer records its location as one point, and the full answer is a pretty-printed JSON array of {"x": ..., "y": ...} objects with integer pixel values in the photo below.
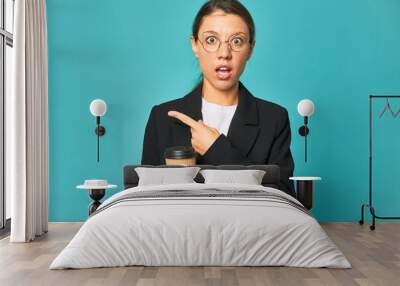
[
  {"x": 98, "y": 108},
  {"x": 305, "y": 109}
]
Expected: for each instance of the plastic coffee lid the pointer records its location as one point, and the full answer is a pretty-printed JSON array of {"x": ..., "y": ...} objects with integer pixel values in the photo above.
[{"x": 179, "y": 152}]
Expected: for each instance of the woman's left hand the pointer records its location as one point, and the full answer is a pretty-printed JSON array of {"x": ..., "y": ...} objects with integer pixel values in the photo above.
[{"x": 203, "y": 136}]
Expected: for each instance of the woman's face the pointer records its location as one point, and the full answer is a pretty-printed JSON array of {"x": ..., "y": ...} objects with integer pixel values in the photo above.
[{"x": 222, "y": 67}]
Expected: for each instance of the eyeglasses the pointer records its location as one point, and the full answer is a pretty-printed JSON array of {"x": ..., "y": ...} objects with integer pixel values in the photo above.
[{"x": 236, "y": 43}]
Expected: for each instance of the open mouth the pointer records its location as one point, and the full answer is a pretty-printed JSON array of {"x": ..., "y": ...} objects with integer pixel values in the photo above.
[{"x": 223, "y": 72}]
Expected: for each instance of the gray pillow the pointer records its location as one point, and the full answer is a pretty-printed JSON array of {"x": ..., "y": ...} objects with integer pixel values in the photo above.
[
  {"x": 162, "y": 176},
  {"x": 249, "y": 177}
]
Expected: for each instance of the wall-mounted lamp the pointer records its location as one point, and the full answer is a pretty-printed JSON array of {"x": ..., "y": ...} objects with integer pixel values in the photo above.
[
  {"x": 98, "y": 108},
  {"x": 305, "y": 109}
]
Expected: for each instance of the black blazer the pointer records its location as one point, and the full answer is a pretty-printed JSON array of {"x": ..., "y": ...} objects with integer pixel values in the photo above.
[{"x": 259, "y": 133}]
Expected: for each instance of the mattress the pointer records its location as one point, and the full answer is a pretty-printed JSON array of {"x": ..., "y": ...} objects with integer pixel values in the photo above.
[{"x": 201, "y": 225}]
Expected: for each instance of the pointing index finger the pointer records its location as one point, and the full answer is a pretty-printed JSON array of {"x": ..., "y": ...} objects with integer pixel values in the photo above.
[{"x": 184, "y": 118}]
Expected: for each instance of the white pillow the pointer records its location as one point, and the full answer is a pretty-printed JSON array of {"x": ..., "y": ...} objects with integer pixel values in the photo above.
[
  {"x": 163, "y": 176},
  {"x": 249, "y": 177}
]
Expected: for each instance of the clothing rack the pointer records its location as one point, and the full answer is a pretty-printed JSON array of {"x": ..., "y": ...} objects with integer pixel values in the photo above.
[{"x": 369, "y": 205}]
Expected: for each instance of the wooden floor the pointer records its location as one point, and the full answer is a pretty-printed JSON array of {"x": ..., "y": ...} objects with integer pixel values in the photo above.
[{"x": 374, "y": 255}]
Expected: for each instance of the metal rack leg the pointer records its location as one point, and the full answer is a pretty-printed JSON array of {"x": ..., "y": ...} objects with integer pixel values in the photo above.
[
  {"x": 372, "y": 211},
  {"x": 372, "y": 227},
  {"x": 374, "y": 216},
  {"x": 361, "y": 221}
]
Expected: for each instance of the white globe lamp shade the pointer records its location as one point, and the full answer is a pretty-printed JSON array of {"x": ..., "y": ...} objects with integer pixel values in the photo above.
[
  {"x": 305, "y": 107},
  {"x": 98, "y": 107}
]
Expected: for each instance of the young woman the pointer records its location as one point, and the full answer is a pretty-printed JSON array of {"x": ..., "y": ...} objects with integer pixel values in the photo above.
[{"x": 220, "y": 118}]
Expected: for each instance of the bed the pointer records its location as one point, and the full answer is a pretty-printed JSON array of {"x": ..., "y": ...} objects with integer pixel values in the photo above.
[{"x": 201, "y": 224}]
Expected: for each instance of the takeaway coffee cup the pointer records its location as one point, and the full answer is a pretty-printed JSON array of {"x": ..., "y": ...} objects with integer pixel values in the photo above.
[{"x": 180, "y": 155}]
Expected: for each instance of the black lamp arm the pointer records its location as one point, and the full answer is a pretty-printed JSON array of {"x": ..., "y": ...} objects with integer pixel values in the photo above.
[
  {"x": 100, "y": 131},
  {"x": 304, "y": 131}
]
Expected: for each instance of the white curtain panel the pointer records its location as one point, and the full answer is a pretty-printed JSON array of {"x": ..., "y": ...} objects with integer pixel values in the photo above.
[{"x": 27, "y": 117}]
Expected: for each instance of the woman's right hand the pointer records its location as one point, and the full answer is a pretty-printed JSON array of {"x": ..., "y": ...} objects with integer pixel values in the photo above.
[{"x": 203, "y": 136}]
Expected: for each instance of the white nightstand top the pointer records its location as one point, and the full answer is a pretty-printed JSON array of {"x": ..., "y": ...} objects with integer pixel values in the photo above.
[
  {"x": 305, "y": 178},
  {"x": 96, "y": 184},
  {"x": 96, "y": 187}
]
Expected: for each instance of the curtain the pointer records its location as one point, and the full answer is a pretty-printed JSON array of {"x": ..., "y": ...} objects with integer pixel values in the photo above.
[{"x": 27, "y": 117}]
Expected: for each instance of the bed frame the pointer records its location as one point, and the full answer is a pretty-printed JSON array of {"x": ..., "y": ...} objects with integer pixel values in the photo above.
[{"x": 270, "y": 179}]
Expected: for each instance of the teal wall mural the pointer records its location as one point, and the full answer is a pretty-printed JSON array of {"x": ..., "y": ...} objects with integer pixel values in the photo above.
[{"x": 135, "y": 54}]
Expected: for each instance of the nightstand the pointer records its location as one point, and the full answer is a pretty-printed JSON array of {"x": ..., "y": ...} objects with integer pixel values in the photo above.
[
  {"x": 304, "y": 190},
  {"x": 97, "y": 190}
]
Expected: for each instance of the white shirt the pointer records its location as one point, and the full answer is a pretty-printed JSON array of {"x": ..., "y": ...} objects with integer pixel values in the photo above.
[{"x": 217, "y": 116}]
